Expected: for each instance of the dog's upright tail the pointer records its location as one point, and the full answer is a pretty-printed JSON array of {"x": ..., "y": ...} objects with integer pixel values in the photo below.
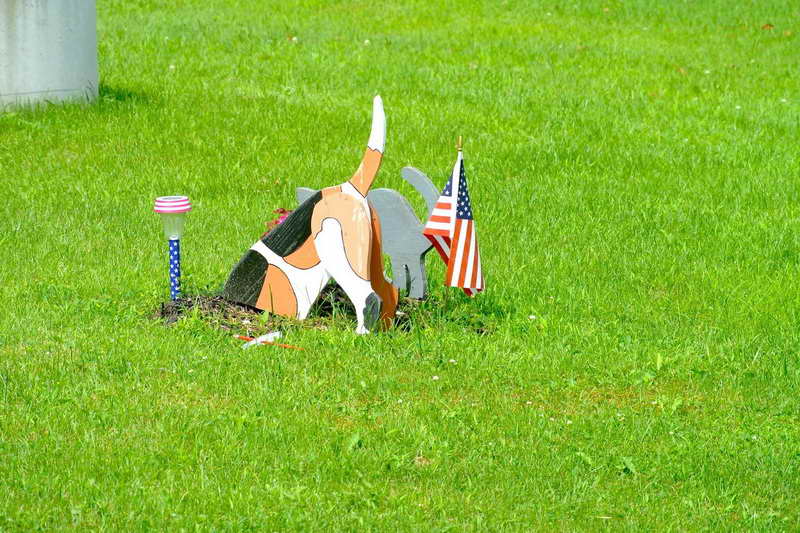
[{"x": 365, "y": 175}]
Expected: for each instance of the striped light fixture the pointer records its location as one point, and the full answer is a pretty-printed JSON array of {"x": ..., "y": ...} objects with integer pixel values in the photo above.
[{"x": 173, "y": 211}]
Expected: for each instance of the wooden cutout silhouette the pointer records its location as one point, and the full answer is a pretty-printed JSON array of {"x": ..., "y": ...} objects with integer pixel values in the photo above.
[
  {"x": 401, "y": 230},
  {"x": 332, "y": 234}
]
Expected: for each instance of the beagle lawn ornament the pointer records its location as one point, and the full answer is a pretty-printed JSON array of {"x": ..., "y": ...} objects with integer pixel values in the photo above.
[
  {"x": 401, "y": 230},
  {"x": 333, "y": 234}
]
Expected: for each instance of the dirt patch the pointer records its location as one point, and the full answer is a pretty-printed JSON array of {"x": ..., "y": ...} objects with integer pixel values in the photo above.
[{"x": 331, "y": 305}]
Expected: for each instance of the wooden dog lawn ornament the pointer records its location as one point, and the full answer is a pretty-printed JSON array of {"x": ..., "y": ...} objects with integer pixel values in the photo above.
[
  {"x": 401, "y": 230},
  {"x": 333, "y": 234}
]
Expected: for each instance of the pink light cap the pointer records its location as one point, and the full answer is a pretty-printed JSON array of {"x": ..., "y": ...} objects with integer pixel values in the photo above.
[{"x": 172, "y": 204}]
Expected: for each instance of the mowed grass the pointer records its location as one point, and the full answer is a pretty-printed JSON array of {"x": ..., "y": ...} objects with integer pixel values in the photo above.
[{"x": 634, "y": 173}]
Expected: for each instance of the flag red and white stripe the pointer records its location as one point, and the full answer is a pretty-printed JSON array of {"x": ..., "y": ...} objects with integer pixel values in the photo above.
[{"x": 451, "y": 230}]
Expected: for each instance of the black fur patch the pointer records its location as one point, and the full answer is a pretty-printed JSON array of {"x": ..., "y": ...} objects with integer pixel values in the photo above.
[
  {"x": 292, "y": 232},
  {"x": 246, "y": 279}
]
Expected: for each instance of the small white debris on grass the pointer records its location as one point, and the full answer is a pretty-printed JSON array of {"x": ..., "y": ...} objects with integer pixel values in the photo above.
[
  {"x": 172, "y": 67},
  {"x": 452, "y": 361},
  {"x": 531, "y": 317},
  {"x": 569, "y": 422},
  {"x": 529, "y": 402},
  {"x": 366, "y": 42},
  {"x": 267, "y": 338},
  {"x": 738, "y": 107},
  {"x": 435, "y": 378}
]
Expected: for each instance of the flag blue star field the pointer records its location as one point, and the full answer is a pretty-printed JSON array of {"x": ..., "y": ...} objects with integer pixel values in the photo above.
[
  {"x": 451, "y": 230},
  {"x": 174, "y": 268}
]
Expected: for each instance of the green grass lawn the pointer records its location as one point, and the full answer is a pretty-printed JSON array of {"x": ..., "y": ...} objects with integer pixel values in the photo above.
[{"x": 634, "y": 173}]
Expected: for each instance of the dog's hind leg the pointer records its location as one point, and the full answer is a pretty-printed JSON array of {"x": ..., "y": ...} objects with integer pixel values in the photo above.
[
  {"x": 331, "y": 250},
  {"x": 382, "y": 286}
]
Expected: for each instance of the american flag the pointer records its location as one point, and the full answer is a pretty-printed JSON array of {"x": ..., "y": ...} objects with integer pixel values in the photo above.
[{"x": 451, "y": 230}]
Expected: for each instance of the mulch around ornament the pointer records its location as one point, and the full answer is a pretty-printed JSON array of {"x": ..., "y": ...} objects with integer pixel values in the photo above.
[{"x": 331, "y": 305}]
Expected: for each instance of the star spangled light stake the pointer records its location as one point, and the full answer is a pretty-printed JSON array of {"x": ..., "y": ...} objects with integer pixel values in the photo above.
[{"x": 173, "y": 211}]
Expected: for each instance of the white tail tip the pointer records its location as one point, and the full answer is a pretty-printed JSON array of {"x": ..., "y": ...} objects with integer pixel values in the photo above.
[{"x": 377, "y": 137}]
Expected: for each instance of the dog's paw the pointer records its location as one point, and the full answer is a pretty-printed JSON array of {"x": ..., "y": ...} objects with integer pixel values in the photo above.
[{"x": 372, "y": 312}]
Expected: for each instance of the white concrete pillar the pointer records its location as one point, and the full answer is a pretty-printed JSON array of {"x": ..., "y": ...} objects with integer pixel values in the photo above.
[{"x": 48, "y": 50}]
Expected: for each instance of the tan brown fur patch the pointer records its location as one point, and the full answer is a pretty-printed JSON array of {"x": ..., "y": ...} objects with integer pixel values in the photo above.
[
  {"x": 365, "y": 174},
  {"x": 355, "y": 224},
  {"x": 388, "y": 292},
  {"x": 304, "y": 257},
  {"x": 277, "y": 294}
]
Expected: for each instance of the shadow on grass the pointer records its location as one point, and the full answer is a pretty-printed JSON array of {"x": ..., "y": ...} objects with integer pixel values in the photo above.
[
  {"x": 36, "y": 114},
  {"x": 110, "y": 94}
]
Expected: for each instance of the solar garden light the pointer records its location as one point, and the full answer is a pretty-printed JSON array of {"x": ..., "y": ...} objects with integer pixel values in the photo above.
[{"x": 173, "y": 211}]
